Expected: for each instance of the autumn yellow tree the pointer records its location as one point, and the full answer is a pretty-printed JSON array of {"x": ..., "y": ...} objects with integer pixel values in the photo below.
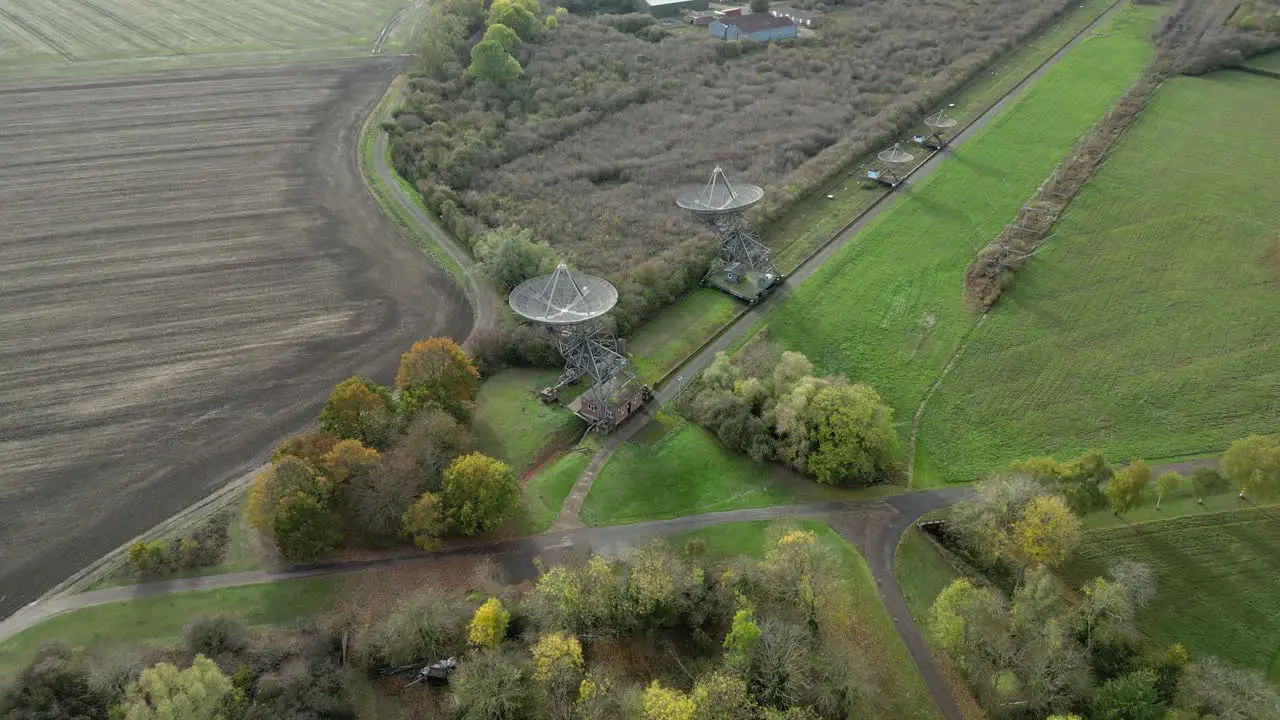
[
  {"x": 437, "y": 371},
  {"x": 309, "y": 446},
  {"x": 1253, "y": 464},
  {"x": 1047, "y": 532},
  {"x": 345, "y": 460},
  {"x": 662, "y": 703},
  {"x": 489, "y": 625},
  {"x": 479, "y": 493},
  {"x": 281, "y": 479},
  {"x": 359, "y": 409},
  {"x": 163, "y": 692},
  {"x": 557, "y": 668}
]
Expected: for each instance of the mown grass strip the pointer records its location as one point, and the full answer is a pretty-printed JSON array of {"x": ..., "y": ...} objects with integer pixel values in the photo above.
[
  {"x": 886, "y": 309},
  {"x": 545, "y": 492},
  {"x": 1145, "y": 326}
]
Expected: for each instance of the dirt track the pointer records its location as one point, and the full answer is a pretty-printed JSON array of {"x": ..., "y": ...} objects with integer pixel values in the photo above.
[{"x": 187, "y": 263}]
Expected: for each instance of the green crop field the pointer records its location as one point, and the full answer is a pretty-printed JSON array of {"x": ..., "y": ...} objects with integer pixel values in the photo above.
[
  {"x": 1145, "y": 327},
  {"x": 546, "y": 490},
  {"x": 513, "y": 424},
  {"x": 684, "y": 473},
  {"x": 33, "y": 31},
  {"x": 902, "y": 692},
  {"x": 159, "y": 620},
  {"x": 886, "y": 309},
  {"x": 1218, "y": 581}
]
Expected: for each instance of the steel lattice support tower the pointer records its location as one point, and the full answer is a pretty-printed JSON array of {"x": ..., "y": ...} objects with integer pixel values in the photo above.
[{"x": 722, "y": 207}]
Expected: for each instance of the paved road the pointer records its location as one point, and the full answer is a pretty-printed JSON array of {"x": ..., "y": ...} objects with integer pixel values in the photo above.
[{"x": 870, "y": 524}]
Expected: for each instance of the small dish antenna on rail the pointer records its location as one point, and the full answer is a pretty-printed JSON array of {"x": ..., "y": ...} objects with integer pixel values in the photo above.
[
  {"x": 939, "y": 124},
  {"x": 893, "y": 160}
]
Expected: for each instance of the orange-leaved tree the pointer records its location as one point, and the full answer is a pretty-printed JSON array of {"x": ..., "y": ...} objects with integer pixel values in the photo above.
[
  {"x": 360, "y": 409},
  {"x": 437, "y": 371}
]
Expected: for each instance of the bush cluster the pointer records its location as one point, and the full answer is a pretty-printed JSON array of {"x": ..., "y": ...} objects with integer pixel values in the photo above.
[
  {"x": 386, "y": 467},
  {"x": 205, "y": 546},
  {"x": 771, "y": 407},
  {"x": 609, "y": 114}
]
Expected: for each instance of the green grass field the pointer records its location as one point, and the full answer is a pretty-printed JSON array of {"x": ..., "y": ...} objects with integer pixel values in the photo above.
[
  {"x": 1270, "y": 61},
  {"x": 685, "y": 473},
  {"x": 922, "y": 572},
  {"x": 1146, "y": 325},
  {"x": 33, "y": 32},
  {"x": 902, "y": 693},
  {"x": 814, "y": 220},
  {"x": 886, "y": 309},
  {"x": 678, "y": 330},
  {"x": 160, "y": 620},
  {"x": 513, "y": 425},
  {"x": 1218, "y": 581},
  {"x": 546, "y": 490}
]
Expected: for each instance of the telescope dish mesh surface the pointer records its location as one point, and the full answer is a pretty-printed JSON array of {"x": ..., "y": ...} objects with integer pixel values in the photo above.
[
  {"x": 718, "y": 197},
  {"x": 564, "y": 297},
  {"x": 895, "y": 155},
  {"x": 940, "y": 121}
]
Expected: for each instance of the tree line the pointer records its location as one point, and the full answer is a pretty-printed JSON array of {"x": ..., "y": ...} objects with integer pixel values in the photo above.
[{"x": 1031, "y": 647}]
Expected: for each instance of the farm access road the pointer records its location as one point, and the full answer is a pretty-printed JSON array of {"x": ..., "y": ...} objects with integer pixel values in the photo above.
[{"x": 189, "y": 262}]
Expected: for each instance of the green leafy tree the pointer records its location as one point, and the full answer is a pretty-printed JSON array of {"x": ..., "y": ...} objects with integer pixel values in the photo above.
[
  {"x": 489, "y": 625},
  {"x": 1047, "y": 531},
  {"x": 1206, "y": 481},
  {"x": 1129, "y": 697},
  {"x": 1124, "y": 492},
  {"x": 57, "y": 685},
  {"x": 741, "y": 640},
  {"x": 759, "y": 6},
  {"x": 491, "y": 59},
  {"x": 479, "y": 493},
  {"x": 424, "y": 521},
  {"x": 584, "y": 600},
  {"x": 436, "y": 371},
  {"x": 599, "y": 698},
  {"x": 851, "y": 434},
  {"x": 305, "y": 528},
  {"x": 1167, "y": 484},
  {"x": 960, "y": 620},
  {"x": 557, "y": 668},
  {"x": 149, "y": 558},
  {"x": 1253, "y": 464},
  {"x": 516, "y": 15},
  {"x": 660, "y": 584},
  {"x": 722, "y": 696},
  {"x": 359, "y": 409},
  {"x": 163, "y": 692},
  {"x": 283, "y": 479},
  {"x": 509, "y": 256}
]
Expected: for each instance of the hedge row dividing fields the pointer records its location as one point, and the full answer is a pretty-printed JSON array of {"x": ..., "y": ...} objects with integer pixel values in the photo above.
[
  {"x": 1146, "y": 326},
  {"x": 886, "y": 309}
]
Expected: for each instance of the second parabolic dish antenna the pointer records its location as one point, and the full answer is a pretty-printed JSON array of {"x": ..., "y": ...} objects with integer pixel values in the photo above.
[
  {"x": 718, "y": 196},
  {"x": 564, "y": 297},
  {"x": 895, "y": 155},
  {"x": 940, "y": 121}
]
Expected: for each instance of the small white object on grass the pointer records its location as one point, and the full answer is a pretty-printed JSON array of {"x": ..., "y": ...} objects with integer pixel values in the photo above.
[{"x": 831, "y": 197}]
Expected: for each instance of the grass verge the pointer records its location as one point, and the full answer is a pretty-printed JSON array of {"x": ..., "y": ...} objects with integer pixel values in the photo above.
[
  {"x": 161, "y": 619},
  {"x": 513, "y": 424},
  {"x": 1218, "y": 581},
  {"x": 685, "y": 473},
  {"x": 545, "y": 492},
  {"x": 369, "y": 149},
  {"x": 1144, "y": 327},
  {"x": 678, "y": 330},
  {"x": 867, "y": 624},
  {"x": 886, "y": 309}
]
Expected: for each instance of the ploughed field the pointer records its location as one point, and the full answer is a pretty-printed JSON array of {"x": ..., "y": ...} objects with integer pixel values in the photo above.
[{"x": 188, "y": 263}]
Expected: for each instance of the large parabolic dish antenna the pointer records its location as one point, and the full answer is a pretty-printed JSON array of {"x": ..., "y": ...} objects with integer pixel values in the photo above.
[
  {"x": 564, "y": 297},
  {"x": 718, "y": 197},
  {"x": 939, "y": 122}
]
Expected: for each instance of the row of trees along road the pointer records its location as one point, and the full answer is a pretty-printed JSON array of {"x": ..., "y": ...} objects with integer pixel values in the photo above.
[{"x": 384, "y": 466}]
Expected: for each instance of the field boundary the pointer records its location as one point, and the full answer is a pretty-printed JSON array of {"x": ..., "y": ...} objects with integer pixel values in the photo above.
[{"x": 821, "y": 247}]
